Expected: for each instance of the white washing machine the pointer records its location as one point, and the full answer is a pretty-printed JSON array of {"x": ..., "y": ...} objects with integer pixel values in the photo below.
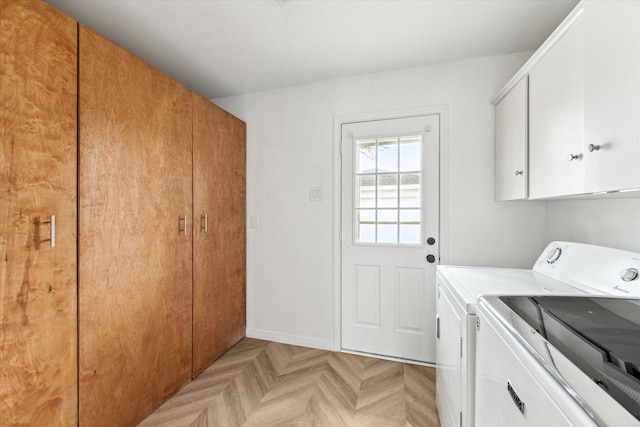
[
  {"x": 565, "y": 365},
  {"x": 560, "y": 270},
  {"x": 563, "y": 360}
]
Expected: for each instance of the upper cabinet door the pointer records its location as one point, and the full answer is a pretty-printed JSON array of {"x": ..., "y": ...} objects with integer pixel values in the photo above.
[
  {"x": 511, "y": 144},
  {"x": 219, "y": 232},
  {"x": 38, "y": 362},
  {"x": 135, "y": 293},
  {"x": 612, "y": 95},
  {"x": 556, "y": 118}
]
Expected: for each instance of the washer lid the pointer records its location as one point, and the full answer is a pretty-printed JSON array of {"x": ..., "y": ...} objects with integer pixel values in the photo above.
[{"x": 599, "y": 335}]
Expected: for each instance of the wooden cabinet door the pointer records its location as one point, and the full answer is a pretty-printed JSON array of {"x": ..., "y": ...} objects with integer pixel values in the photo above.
[
  {"x": 556, "y": 118},
  {"x": 219, "y": 251},
  {"x": 38, "y": 292},
  {"x": 135, "y": 284},
  {"x": 512, "y": 144},
  {"x": 612, "y": 95}
]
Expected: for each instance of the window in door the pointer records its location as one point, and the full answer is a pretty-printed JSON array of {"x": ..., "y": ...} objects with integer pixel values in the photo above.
[{"x": 388, "y": 190}]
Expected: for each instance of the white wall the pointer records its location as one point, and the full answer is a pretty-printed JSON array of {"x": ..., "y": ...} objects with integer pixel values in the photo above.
[
  {"x": 613, "y": 223},
  {"x": 290, "y": 148}
]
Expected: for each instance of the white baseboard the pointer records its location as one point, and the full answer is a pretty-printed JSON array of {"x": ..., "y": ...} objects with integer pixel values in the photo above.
[{"x": 291, "y": 339}]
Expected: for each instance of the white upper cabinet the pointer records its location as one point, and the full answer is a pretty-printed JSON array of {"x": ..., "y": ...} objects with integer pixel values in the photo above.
[
  {"x": 556, "y": 117},
  {"x": 612, "y": 95},
  {"x": 511, "y": 144}
]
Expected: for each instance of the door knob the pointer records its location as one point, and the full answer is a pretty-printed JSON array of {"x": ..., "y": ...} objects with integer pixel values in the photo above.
[
  {"x": 431, "y": 258},
  {"x": 431, "y": 241}
]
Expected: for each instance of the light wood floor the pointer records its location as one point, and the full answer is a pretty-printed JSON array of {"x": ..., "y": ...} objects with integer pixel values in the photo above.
[{"x": 262, "y": 383}]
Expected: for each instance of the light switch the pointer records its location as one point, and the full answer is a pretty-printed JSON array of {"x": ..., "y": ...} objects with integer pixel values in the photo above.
[
  {"x": 254, "y": 221},
  {"x": 315, "y": 194}
]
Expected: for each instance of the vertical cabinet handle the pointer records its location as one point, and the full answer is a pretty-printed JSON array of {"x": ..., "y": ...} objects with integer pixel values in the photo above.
[
  {"x": 52, "y": 230},
  {"x": 438, "y": 327},
  {"x": 183, "y": 224},
  {"x": 205, "y": 223}
]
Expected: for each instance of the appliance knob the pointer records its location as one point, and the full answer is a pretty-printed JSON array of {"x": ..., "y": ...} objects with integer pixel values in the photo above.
[
  {"x": 553, "y": 255},
  {"x": 629, "y": 274}
]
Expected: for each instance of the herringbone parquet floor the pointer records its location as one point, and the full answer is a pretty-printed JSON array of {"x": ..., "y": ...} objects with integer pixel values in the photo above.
[{"x": 262, "y": 383}]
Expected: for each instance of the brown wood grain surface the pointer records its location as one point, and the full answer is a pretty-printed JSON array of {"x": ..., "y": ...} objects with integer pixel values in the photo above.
[
  {"x": 38, "y": 368},
  {"x": 135, "y": 266},
  {"x": 219, "y": 255}
]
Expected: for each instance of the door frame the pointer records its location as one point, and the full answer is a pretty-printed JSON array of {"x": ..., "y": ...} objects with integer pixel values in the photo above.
[{"x": 443, "y": 231}]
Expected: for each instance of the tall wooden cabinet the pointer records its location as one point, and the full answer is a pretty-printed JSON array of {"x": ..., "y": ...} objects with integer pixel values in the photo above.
[
  {"x": 219, "y": 232},
  {"x": 135, "y": 240},
  {"x": 122, "y": 227},
  {"x": 38, "y": 182}
]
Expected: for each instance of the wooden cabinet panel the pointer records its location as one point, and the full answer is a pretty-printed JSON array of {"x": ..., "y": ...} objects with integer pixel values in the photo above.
[
  {"x": 556, "y": 118},
  {"x": 219, "y": 253},
  {"x": 512, "y": 118},
  {"x": 38, "y": 380},
  {"x": 135, "y": 258}
]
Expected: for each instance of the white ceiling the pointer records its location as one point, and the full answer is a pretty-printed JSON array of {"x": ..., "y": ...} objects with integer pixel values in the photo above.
[{"x": 228, "y": 47}]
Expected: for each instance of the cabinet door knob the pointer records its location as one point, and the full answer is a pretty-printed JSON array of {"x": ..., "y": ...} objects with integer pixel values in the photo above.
[
  {"x": 519, "y": 173},
  {"x": 572, "y": 157},
  {"x": 591, "y": 148}
]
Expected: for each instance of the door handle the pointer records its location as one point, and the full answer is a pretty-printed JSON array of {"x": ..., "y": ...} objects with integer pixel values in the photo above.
[
  {"x": 52, "y": 228},
  {"x": 431, "y": 258},
  {"x": 204, "y": 223},
  {"x": 183, "y": 221}
]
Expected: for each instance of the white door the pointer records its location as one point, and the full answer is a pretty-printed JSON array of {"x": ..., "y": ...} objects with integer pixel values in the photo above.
[{"x": 390, "y": 182}]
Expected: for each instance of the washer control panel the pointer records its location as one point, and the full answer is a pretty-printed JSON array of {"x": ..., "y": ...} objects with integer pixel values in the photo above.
[{"x": 594, "y": 269}]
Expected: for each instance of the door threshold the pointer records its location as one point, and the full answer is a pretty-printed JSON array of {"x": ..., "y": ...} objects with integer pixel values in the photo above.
[{"x": 391, "y": 358}]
